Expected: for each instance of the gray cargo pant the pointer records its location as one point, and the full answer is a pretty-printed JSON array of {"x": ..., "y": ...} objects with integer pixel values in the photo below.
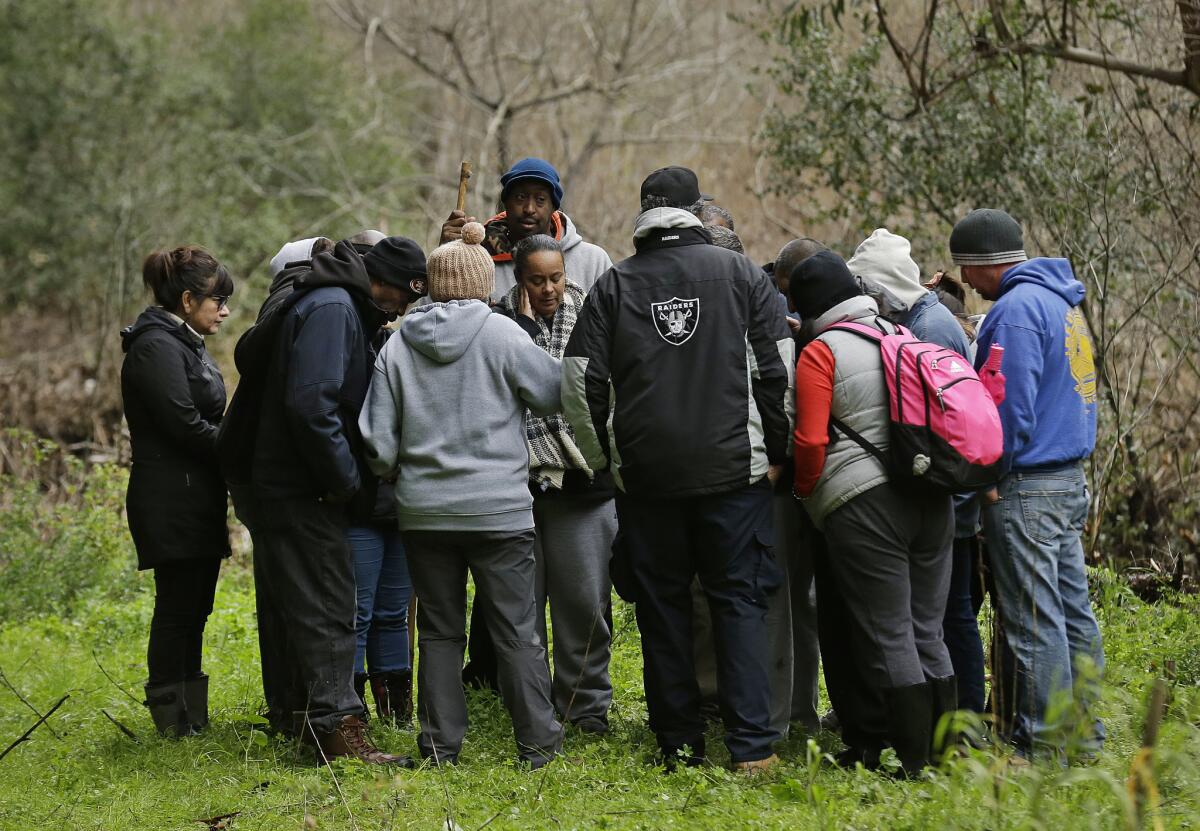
[
  {"x": 502, "y": 565},
  {"x": 574, "y": 545}
]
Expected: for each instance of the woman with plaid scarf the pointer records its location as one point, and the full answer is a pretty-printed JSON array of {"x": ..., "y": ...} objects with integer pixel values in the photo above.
[{"x": 573, "y": 506}]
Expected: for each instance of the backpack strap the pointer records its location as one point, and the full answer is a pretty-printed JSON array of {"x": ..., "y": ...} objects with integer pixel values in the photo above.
[
  {"x": 835, "y": 422},
  {"x": 860, "y": 329},
  {"x": 875, "y": 335}
]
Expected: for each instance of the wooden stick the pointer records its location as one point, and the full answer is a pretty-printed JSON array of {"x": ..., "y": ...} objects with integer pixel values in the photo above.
[{"x": 464, "y": 173}]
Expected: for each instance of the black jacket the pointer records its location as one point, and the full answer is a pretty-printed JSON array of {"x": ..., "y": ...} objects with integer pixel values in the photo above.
[
  {"x": 699, "y": 358},
  {"x": 174, "y": 397},
  {"x": 319, "y": 365}
]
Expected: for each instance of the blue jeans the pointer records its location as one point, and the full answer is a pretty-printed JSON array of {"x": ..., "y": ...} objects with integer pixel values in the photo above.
[
  {"x": 384, "y": 589},
  {"x": 960, "y": 627},
  {"x": 1033, "y": 536}
]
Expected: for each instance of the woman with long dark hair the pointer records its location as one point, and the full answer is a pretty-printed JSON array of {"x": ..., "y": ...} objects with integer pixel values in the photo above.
[{"x": 174, "y": 398}]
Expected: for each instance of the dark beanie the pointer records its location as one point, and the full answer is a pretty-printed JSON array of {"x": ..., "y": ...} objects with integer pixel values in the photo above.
[
  {"x": 539, "y": 170},
  {"x": 397, "y": 261},
  {"x": 819, "y": 283},
  {"x": 987, "y": 236}
]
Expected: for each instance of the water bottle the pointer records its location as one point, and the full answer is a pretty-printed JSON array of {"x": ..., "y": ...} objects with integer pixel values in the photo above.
[{"x": 991, "y": 376}]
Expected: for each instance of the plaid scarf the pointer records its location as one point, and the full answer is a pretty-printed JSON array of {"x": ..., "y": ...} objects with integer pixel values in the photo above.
[{"x": 552, "y": 449}]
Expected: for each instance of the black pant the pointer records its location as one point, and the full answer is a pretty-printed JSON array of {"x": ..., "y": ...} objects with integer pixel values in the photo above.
[
  {"x": 304, "y": 580},
  {"x": 889, "y": 554},
  {"x": 183, "y": 600},
  {"x": 726, "y": 538},
  {"x": 859, "y": 705}
]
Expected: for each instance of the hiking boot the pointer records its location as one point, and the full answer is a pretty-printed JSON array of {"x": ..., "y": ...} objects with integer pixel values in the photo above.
[
  {"x": 195, "y": 696},
  {"x": 168, "y": 709},
  {"x": 831, "y": 722},
  {"x": 756, "y": 766},
  {"x": 350, "y": 740}
]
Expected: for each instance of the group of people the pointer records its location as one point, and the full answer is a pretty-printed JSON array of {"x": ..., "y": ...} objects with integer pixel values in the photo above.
[{"x": 702, "y": 434}]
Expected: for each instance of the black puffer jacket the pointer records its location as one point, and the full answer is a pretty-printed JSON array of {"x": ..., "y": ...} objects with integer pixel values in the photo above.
[
  {"x": 320, "y": 360},
  {"x": 174, "y": 397}
]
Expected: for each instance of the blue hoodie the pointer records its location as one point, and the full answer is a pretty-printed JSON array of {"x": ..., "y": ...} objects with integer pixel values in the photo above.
[{"x": 1049, "y": 411}]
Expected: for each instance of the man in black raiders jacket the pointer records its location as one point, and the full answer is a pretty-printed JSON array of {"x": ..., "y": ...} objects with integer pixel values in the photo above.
[{"x": 678, "y": 379}]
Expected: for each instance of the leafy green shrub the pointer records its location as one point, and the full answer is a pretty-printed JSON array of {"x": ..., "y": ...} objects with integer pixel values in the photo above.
[{"x": 64, "y": 537}]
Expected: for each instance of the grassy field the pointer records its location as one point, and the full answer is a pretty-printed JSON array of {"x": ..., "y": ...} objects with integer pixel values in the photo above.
[{"x": 80, "y": 770}]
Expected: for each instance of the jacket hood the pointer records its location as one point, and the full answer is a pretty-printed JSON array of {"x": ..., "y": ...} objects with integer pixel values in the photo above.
[
  {"x": 885, "y": 260},
  {"x": 656, "y": 218},
  {"x": 292, "y": 252},
  {"x": 1053, "y": 273},
  {"x": 570, "y": 237},
  {"x": 342, "y": 267},
  {"x": 443, "y": 331},
  {"x": 156, "y": 317},
  {"x": 284, "y": 280}
]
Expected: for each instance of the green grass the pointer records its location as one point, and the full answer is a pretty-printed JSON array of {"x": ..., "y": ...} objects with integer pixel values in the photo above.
[{"x": 80, "y": 771}]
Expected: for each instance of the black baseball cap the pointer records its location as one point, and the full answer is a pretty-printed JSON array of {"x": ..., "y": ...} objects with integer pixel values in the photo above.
[{"x": 677, "y": 184}]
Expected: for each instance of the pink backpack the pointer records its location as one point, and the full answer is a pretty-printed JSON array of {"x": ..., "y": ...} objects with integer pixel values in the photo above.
[{"x": 944, "y": 427}]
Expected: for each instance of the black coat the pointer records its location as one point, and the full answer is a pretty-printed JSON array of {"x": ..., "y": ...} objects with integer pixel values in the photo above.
[{"x": 174, "y": 397}]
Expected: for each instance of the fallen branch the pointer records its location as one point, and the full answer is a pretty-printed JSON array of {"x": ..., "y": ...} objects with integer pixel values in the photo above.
[
  {"x": 121, "y": 726},
  {"x": 112, "y": 680},
  {"x": 25, "y": 736},
  {"x": 12, "y": 688},
  {"x": 221, "y": 822}
]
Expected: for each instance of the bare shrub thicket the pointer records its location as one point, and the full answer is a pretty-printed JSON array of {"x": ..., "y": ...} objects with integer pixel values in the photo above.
[
  {"x": 607, "y": 90},
  {"x": 1082, "y": 120}
]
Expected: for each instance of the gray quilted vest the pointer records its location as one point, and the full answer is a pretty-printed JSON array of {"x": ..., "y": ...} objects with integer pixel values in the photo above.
[{"x": 860, "y": 400}]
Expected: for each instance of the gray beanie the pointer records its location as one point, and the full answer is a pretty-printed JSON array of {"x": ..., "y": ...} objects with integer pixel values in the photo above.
[{"x": 987, "y": 236}]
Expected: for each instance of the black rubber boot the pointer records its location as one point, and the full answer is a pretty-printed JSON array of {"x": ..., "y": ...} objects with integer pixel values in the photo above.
[
  {"x": 910, "y": 717},
  {"x": 195, "y": 696},
  {"x": 168, "y": 709},
  {"x": 944, "y": 700}
]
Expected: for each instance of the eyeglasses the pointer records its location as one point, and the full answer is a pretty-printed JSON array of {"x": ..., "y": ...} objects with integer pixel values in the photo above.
[{"x": 222, "y": 300}]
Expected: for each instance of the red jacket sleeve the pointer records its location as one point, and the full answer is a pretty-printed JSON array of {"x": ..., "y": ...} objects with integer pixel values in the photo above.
[{"x": 814, "y": 396}]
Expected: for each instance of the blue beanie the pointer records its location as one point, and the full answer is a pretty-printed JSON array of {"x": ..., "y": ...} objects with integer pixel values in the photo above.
[{"x": 537, "y": 169}]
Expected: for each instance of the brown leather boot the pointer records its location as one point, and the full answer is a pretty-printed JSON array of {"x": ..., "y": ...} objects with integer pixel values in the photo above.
[
  {"x": 350, "y": 739},
  {"x": 393, "y": 696},
  {"x": 382, "y": 693},
  {"x": 754, "y": 768}
]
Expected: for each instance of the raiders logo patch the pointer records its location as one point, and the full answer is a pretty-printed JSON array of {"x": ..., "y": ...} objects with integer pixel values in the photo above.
[{"x": 676, "y": 319}]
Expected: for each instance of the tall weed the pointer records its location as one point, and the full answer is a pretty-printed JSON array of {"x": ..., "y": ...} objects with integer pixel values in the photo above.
[{"x": 63, "y": 538}]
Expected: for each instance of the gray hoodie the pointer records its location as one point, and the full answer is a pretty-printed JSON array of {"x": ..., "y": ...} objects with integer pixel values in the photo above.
[
  {"x": 584, "y": 261},
  {"x": 445, "y": 412}
]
